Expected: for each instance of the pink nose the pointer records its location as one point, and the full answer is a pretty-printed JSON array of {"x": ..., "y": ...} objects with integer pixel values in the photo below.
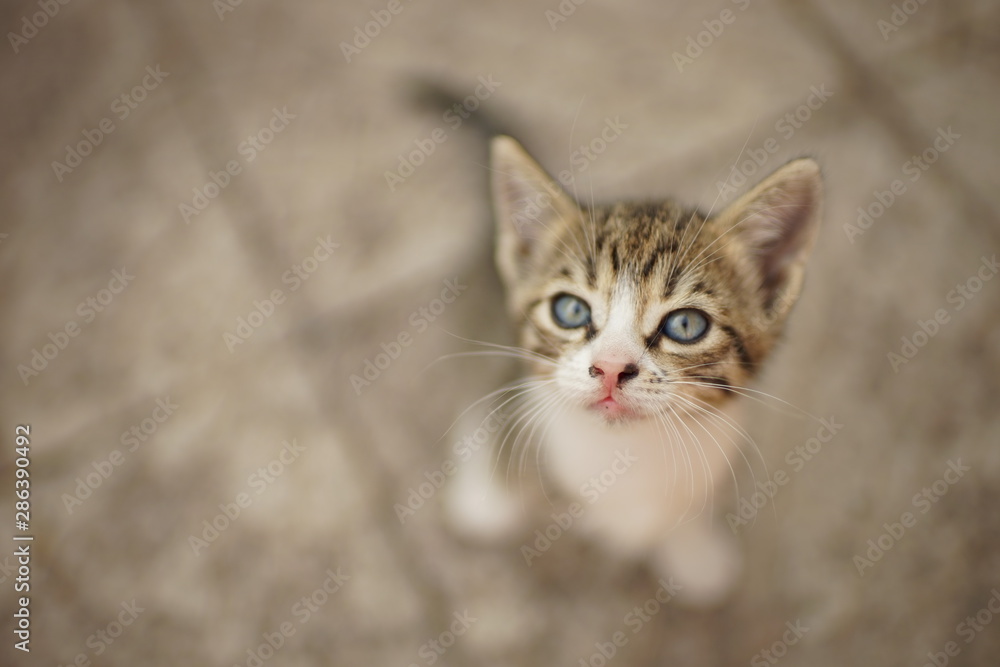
[{"x": 613, "y": 373}]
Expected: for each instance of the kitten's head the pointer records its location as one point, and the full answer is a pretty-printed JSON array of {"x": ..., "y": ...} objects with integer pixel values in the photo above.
[{"x": 646, "y": 309}]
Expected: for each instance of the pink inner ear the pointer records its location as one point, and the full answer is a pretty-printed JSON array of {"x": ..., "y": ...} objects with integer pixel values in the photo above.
[
  {"x": 785, "y": 244},
  {"x": 526, "y": 203},
  {"x": 529, "y": 210},
  {"x": 779, "y": 228},
  {"x": 524, "y": 192}
]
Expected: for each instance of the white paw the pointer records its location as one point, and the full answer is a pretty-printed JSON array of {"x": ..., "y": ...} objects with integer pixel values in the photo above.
[
  {"x": 476, "y": 506},
  {"x": 704, "y": 560}
]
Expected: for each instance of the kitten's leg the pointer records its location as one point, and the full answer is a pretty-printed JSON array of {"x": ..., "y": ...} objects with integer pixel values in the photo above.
[
  {"x": 703, "y": 558},
  {"x": 477, "y": 503}
]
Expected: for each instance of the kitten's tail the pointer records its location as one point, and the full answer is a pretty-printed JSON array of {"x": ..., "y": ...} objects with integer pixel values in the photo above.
[{"x": 459, "y": 106}]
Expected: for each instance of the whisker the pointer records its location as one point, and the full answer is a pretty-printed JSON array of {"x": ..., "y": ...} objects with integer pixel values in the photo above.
[
  {"x": 513, "y": 353},
  {"x": 525, "y": 383},
  {"x": 661, "y": 419},
  {"x": 497, "y": 346},
  {"x": 524, "y": 414},
  {"x": 748, "y": 393},
  {"x": 539, "y": 467},
  {"x": 538, "y": 410},
  {"x": 690, "y": 460},
  {"x": 724, "y": 421}
]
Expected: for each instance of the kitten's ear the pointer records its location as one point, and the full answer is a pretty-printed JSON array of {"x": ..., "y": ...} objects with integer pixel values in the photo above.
[
  {"x": 527, "y": 204},
  {"x": 778, "y": 221}
]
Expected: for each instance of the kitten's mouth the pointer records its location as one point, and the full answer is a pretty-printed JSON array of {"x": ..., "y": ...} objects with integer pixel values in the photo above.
[{"x": 612, "y": 410}]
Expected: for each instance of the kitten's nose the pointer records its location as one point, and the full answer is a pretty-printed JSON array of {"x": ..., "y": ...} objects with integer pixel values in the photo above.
[{"x": 614, "y": 373}]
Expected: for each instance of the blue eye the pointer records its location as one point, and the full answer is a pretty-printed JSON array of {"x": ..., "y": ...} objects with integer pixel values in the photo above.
[
  {"x": 570, "y": 312},
  {"x": 686, "y": 325}
]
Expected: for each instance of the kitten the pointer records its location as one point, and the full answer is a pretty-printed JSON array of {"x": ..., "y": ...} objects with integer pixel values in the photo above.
[{"x": 641, "y": 325}]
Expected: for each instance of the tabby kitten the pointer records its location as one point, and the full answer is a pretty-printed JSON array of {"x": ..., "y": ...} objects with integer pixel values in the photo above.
[{"x": 641, "y": 325}]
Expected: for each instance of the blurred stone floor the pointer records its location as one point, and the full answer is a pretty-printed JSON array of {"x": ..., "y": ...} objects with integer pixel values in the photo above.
[{"x": 202, "y": 265}]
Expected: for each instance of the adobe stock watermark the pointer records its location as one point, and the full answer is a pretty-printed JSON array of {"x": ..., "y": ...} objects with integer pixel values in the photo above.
[
  {"x": 258, "y": 482},
  {"x": 927, "y": 329},
  {"x": 797, "y": 458},
  {"x": 248, "y": 149},
  {"x": 59, "y": 340},
  {"x": 294, "y": 278},
  {"x": 634, "y": 621},
  {"x": 530, "y": 208},
  {"x": 913, "y": 168},
  {"x": 562, "y": 12},
  {"x": 121, "y": 107},
  {"x": 223, "y": 7},
  {"x": 585, "y": 154},
  {"x": 704, "y": 39},
  {"x": 533, "y": 210},
  {"x": 779, "y": 649},
  {"x": 417, "y": 496},
  {"x": 101, "y": 640},
  {"x": 765, "y": 320},
  {"x": 38, "y": 20},
  {"x": 301, "y": 612},
  {"x": 131, "y": 440},
  {"x": 420, "y": 320},
  {"x": 433, "y": 649},
  {"x": 967, "y": 630},
  {"x": 363, "y": 35},
  {"x": 427, "y": 146},
  {"x": 922, "y": 502},
  {"x": 591, "y": 490},
  {"x": 785, "y": 128},
  {"x": 900, "y": 16}
]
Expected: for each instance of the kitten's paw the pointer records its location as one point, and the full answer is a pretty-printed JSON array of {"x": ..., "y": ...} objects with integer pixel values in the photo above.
[
  {"x": 476, "y": 507},
  {"x": 705, "y": 561}
]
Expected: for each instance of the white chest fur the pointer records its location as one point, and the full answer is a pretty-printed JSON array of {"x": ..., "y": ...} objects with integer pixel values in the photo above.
[{"x": 640, "y": 481}]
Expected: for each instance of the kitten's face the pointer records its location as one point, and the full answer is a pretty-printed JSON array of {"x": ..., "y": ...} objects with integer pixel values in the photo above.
[
  {"x": 639, "y": 313},
  {"x": 649, "y": 310}
]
